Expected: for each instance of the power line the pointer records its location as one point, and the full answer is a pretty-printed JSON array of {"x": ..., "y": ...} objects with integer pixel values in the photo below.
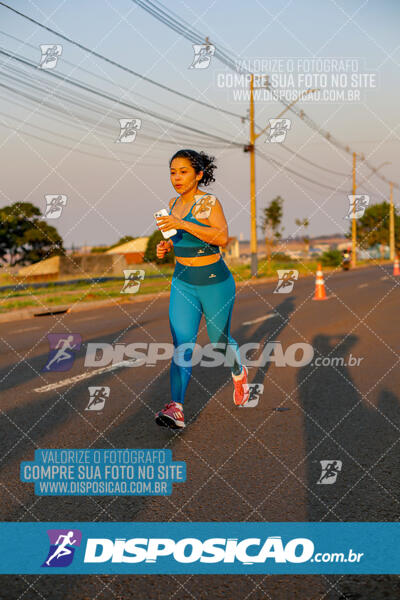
[
  {"x": 33, "y": 86},
  {"x": 195, "y": 36},
  {"x": 119, "y": 66},
  {"x": 101, "y": 78},
  {"x": 310, "y": 162},
  {"x": 85, "y": 87},
  {"x": 265, "y": 157},
  {"x": 183, "y": 28},
  {"x": 276, "y": 162},
  {"x": 180, "y": 26},
  {"x": 68, "y": 148},
  {"x": 121, "y": 102},
  {"x": 96, "y": 125}
]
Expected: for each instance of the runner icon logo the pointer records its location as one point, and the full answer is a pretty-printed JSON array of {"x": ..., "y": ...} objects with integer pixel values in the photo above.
[
  {"x": 256, "y": 390},
  {"x": 202, "y": 55},
  {"x": 287, "y": 277},
  {"x": 62, "y": 348},
  {"x": 330, "y": 470},
  {"x": 63, "y": 543},
  {"x": 98, "y": 396},
  {"x": 54, "y": 206},
  {"x": 50, "y": 54},
  {"x": 133, "y": 279},
  {"x": 357, "y": 205},
  {"x": 278, "y": 130},
  {"x": 128, "y": 130}
]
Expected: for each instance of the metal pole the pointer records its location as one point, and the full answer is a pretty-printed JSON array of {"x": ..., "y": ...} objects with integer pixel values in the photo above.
[
  {"x": 353, "y": 223},
  {"x": 391, "y": 225},
  {"x": 253, "y": 216}
]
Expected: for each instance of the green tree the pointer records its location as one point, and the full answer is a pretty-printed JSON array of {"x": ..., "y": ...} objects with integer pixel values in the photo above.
[
  {"x": 26, "y": 238},
  {"x": 306, "y": 238},
  {"x": 271, "y": 224},
  {"x": 373, "y": 226},
  {"x": 331, "y": 258},
  {"x": 151, "y": 249}
]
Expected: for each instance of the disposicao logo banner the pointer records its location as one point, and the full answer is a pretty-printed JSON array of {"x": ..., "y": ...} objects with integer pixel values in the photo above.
[{"x": 155, "y": 548}]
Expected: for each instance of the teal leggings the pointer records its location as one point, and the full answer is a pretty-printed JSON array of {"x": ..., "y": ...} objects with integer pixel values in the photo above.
[{"x": 209, "y": 289}]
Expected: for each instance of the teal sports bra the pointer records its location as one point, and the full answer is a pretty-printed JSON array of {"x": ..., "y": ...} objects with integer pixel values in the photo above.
[{"x": 188, "y": 245}]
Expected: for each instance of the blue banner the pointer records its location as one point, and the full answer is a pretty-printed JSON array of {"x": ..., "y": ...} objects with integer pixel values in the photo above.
[
  {"x": 156, "y": 548},
  {"x": 110, "y": 472}
]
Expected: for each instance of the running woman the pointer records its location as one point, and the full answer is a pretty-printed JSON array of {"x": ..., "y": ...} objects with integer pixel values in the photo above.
[{"x": 201, "y": 282}]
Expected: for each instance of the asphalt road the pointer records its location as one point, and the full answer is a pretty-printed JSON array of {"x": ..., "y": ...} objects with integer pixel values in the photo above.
[{"x": 243, "y": 464}]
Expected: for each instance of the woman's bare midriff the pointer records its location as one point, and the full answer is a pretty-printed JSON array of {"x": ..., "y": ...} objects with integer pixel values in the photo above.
[{"x": 198, "y": 261}]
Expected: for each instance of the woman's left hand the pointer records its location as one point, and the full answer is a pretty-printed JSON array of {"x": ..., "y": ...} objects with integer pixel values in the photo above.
[{"x": 169, "y": 222}]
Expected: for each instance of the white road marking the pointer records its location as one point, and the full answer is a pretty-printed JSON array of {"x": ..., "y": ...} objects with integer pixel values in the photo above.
[
  {"x": 271, "y": 316},
  {"x": 88, "y": 375},
  {"x": 363, "y": 285},
  {"x": 384, "y": 278},
  {"x": 27, "y": 329},
  {"x": 86, "y": 319}
]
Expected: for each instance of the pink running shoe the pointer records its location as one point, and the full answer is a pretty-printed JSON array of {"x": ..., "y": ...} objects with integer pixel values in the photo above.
[
  {"x": 171, "y": 416},
  {"x": 241, "y": 393}
]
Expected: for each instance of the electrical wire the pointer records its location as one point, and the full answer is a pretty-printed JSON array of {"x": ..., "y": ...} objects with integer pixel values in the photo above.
[
  {"x": 118, "y": 65},
  {"x": 176, "y": 23}
]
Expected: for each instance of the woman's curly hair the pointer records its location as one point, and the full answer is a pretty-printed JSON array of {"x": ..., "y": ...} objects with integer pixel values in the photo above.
[{"x": 200, "y": 161}]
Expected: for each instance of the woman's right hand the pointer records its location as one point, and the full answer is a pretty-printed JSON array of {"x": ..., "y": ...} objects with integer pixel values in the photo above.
[{"x": 163, "y": 247}]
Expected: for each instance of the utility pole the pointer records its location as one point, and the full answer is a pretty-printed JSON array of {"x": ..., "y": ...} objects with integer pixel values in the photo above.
[
  {"x": 251, "y": 148},
  {"x": 253, "y": 215},
  {"x": 353, "y": 222},
  {"x": 391, "y": 224}
]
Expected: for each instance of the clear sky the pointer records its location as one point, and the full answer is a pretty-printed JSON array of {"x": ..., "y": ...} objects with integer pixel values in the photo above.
[{"x": 65, "y": 140}]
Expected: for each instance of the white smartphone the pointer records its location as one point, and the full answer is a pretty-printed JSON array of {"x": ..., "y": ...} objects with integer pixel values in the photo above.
[{"x": 164, "y": 213}]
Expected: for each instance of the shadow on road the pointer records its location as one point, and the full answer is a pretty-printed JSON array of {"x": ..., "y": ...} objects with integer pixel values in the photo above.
[
  {"x": 359, "y": 441},
  {"x": 136, "y": 428}
]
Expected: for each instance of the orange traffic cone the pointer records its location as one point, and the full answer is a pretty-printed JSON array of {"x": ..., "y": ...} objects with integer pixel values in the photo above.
[
  {"x": 396, "y": 268},
  {"x": 320, "y": 293}
]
